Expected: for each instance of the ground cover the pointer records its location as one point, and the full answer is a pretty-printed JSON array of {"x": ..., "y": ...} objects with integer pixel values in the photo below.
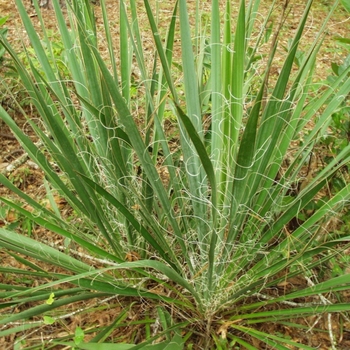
[{"x": 28, "y": 178}]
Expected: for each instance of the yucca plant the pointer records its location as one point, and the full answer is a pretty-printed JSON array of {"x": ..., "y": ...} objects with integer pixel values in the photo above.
[{"x": 205, "y": 218}]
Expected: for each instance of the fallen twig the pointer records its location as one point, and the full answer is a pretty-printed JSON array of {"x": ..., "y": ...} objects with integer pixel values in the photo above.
[{"x": 10, "y": 168}]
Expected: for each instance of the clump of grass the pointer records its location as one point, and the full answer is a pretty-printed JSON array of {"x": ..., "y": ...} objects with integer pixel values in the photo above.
[{"x": 207, "y": 222}]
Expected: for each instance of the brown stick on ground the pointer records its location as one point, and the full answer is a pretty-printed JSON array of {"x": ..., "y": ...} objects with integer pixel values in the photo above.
[{"x": 7, "y": 136}]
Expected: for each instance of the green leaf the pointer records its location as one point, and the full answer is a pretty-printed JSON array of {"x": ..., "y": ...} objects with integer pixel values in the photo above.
[
  {"x": 78, "y": 336},
  {"x": 3, "y": 20},
  {"x": 176, "y": 343},
  {"x": 99, "y": 346},
  {"x": 346, "y": 4},
  {"x": 51, "y": 299},
  {"x": 343, "y": 40},
  {"x": 49, "y": 320}
]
